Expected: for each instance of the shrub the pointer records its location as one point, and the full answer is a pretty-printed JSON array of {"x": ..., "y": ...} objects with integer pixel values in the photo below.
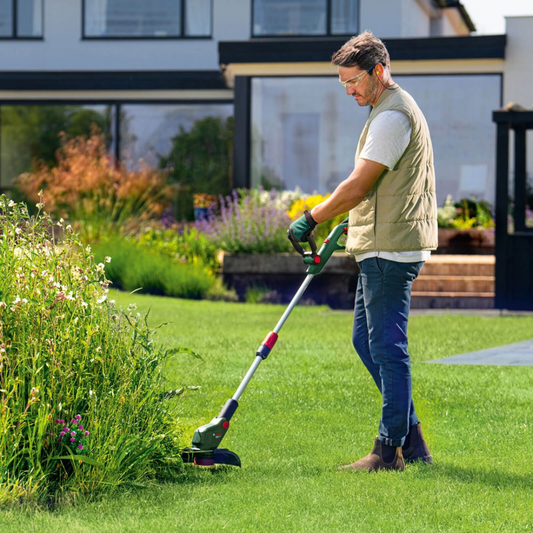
[
  {"x": 135, "y": 267},
  {"x": 65, "y": 351},
  {"x": 87, "y": 188},
  {"x": 468, "y": 213},
  {"x": 181, "y": 243},
  {"x": 244, "y": 225}
]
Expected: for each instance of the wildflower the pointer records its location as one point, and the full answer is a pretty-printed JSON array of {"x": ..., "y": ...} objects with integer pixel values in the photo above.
[
  {"x": 102, "y": 299},
  {"x": 72, "y": 439},
  {"x": 100, "y": 268},
  {"x": 78, "y": 417},
  {"x": 2, "y": 305},
  {"x": 40, "y": 205},
  {"x": 18, "y": 231},
  {"x": 62, "y": 433},
  {"x": 87, "y": 433},
  {"x": 11, "y": 203},
  {"x": 80, "y": 447},
  {"x": 107, "y": 259},
  {"x": 72, "y": 433}
]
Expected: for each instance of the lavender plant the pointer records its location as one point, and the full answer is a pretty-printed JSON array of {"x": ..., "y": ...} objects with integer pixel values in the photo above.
[
  {"x": 245, "y": 224},
  {"x": 64, "y": 347}
]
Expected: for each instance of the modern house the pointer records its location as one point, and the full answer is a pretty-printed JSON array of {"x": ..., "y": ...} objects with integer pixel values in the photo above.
[{"x": 146, "y": 71}]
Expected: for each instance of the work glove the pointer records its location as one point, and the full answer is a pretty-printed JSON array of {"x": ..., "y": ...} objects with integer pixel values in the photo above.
[{"x": 303, "y": 227}]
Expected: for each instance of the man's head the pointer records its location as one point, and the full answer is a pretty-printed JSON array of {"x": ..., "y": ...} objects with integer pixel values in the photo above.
[
  {"x": 363, "y": 64},
  {"x": 363, "y": 51}
]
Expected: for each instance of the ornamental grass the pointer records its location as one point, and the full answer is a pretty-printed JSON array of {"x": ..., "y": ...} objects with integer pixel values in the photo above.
[{"x": 82, "y": 408}]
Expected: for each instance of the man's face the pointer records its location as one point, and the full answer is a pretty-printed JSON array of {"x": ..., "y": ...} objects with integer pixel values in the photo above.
[{"x": 365, "y": 89}]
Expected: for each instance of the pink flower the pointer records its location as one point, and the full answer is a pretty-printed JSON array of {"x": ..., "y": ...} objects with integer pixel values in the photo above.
[
  {"x": 80, "y": 447},
  {"x": 72, "y": 440}
]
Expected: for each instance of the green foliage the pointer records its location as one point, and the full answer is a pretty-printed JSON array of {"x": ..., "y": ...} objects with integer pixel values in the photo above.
[
  {"x": 201, "y": 160},
  {"x": 468, "y": 213},
  {"x": 66, "y": 350},
  {"x": 32, "y": 132},
  {"x": 134, "y": 267},
  {"x": 182, "y": 243}
]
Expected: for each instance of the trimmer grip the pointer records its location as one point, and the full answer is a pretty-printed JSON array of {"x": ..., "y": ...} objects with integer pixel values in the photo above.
[{"x": 330, "y": 245}]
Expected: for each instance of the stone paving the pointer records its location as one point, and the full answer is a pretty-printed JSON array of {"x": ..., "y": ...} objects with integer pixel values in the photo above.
[{"x": 516, "y": 354}]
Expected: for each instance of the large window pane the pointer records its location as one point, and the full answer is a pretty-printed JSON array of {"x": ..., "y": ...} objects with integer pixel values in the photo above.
[
  {"x": 344, "y": 17},
  {"x": 304, "y": 133},
  {"x": 6, "y": 18},
  {"x": 32, "y": 132},
  {"x": 132, "y": 18},
  {"x": 29, "y": 18},
  {"x": 290, "y": 17},
  {"x": 198, "y": 18},
  {"x": 462, "y": 131}
]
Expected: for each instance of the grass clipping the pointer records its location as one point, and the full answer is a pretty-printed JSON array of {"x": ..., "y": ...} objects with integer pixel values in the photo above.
[{"x": 81, "y": 408}]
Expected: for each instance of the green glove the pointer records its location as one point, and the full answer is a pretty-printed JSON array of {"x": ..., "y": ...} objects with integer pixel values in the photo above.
[{"x": 303, "y": 227}]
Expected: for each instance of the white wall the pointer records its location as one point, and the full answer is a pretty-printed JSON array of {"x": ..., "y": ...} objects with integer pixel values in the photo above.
[
  {"x": 518, "y": 73},
  {"x": 63, "y": 48}
]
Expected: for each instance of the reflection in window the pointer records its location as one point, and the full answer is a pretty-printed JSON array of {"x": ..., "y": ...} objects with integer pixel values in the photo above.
[
  {"x": 21, "y": 19},
  {"x": 304, "y": 133},
  {"x": 137, "y": 18},
  {"x": 32, "y": 132},
  {"x": 462, "y": 130},
  {"x": 305, "y": 17}
]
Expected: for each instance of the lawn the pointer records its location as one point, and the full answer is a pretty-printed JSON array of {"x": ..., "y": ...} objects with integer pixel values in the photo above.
[{"x": 311, "y": 407}]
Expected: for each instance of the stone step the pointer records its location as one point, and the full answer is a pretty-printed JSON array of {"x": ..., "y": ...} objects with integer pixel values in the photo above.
[
  {"x": 454, "y": 284},
  {"x": 459, "y": 265},
  {"x": 439, "y": 300}
]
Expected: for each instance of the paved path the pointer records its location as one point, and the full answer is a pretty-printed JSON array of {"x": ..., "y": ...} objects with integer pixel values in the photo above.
[{"x": 516, "y": 354}]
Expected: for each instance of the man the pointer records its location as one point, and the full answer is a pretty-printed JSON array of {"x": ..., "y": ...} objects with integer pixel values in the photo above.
[{"x": 392, "y": 228}]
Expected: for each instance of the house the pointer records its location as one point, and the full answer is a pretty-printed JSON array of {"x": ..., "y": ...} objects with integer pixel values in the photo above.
[{"x": 147, "y": 71}]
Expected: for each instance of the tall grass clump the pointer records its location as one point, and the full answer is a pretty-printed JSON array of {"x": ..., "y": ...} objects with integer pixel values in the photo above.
[
  {"x": 81, "y": 406},
  {"x": 132, "y": 266},
  {"x": 245, "y": 224}
]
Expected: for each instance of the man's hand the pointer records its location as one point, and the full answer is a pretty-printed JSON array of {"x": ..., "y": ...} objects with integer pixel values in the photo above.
[{"x": 303, "y": 227}]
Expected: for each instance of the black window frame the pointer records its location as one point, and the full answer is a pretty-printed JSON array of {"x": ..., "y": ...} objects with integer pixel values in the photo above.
[
  {"x": 14, "y": 36},
  {"x": 180, "y": 37},
  {"x": 314, "y": 35}
]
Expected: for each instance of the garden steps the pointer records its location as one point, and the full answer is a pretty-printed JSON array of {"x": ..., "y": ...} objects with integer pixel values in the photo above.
[{"x": 455, "y": 282}]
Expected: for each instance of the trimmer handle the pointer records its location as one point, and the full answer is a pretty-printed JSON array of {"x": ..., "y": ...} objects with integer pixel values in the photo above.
[
  {"x": 317, "y": 260},
  {"x": 298, "y": 247}
]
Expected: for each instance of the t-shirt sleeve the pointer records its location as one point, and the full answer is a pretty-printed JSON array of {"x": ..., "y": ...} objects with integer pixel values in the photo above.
[{"x": 388, "y": 137}]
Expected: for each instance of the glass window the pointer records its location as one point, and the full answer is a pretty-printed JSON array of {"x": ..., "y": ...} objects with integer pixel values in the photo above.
[
  {"x": 305, "y": 17},
  {"x": 462, "y": 131},
  {"x": 301, "y": 136},
  {"x": 305, "y": 132},
  {"x": 137, "y": 18},
  {"x": 28, "y": 15},
  {"x": 32, "y": 132}
]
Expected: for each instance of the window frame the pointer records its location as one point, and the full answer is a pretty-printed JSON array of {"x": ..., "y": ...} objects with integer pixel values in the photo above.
[
  {"x": 14, "y": 21},
  {"x": 314, "y": 35},
  {"x": 180, "y": 37}
]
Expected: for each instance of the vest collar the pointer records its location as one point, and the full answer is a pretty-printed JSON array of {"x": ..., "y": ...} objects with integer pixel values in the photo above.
[{"x": 386, "y": 93}]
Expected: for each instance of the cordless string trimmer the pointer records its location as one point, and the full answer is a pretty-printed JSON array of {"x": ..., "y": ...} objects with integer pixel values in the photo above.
[{"x": 205, "y": 449}]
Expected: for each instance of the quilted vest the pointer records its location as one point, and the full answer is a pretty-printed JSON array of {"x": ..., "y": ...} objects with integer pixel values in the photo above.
[{"x": 400, "y": 212}]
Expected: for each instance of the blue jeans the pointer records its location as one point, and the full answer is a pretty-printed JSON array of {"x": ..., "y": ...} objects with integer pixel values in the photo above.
[{"x": 382, "y": 304}]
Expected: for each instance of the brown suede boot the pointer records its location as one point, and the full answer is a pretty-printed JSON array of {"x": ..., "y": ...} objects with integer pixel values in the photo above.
[
  {"x": 417, "y": 450},
  {"x": 374, "y": 461}
]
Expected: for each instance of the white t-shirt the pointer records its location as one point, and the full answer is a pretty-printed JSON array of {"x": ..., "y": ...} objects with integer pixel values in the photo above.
[{"x": 388, "y": 137}]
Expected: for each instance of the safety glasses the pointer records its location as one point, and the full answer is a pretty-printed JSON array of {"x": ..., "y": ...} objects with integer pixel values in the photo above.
[{"x": 356, "y": 80}]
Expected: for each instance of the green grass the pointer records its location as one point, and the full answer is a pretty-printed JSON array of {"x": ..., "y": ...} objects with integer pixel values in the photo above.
[{"x": 312, "y": 407}]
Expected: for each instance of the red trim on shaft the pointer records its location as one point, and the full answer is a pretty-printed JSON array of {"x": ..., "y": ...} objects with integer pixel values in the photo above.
[{"x": 270, "y": 340}]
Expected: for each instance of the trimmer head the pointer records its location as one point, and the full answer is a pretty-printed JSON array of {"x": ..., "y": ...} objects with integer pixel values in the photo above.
[{"x": 217, "y": 456}]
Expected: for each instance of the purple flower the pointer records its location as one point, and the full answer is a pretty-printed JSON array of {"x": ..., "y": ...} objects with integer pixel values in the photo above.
[
  {"x": 86, "y": 433},
  {"x": 72, "y": 440},
  {"x": 80, "y": 447},
  {"x": 72, "y": 433},
  {"x": 62, "y": 433},
  {"x": 78, "y": 417},
  {"x": 59, "y": 439},
  {"x": 80, "y": 427}
]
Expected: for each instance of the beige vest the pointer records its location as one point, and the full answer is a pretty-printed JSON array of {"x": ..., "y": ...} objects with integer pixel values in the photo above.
[{"x": 400, "y": 212}]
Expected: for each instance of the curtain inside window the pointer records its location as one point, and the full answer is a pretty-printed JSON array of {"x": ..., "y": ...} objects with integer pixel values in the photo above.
[
  {"x": 6, "y": 18},
  {"x": 29, "y": 18},
  {"x": 344, "y": 17},
  {"x": 198, "y": 18}
]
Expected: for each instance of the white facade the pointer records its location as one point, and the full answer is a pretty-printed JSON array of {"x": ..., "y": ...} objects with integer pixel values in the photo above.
[{"x": 63, "y": 48}]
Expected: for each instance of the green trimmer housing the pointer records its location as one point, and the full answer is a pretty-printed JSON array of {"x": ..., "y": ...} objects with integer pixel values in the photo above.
[{"x": 205, "y": 450}]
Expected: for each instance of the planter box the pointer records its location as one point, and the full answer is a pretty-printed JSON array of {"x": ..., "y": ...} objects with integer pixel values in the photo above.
[
  {"x": 283, "y": 274},
  {"x": 465, "y": 241}
]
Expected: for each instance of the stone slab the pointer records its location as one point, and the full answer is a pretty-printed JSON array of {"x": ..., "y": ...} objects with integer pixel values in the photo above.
[{"x": 516, "y": 354}]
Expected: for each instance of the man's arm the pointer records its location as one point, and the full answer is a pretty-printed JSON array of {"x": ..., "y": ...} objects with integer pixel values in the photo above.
[{"x": 351, "y": 191}]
